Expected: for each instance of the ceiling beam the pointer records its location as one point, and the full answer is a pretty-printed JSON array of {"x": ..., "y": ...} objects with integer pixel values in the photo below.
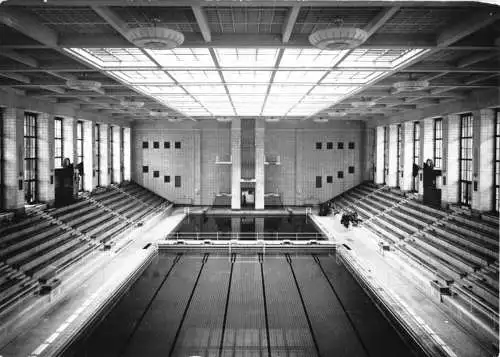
[
  {"x": 289, "y": 23},
  {"x": 475, "y": 21},
  {"x": 380, "y": 19},
  {"x": 201, "y": 19},
  {"x": 29, "y": 26},
  {"x": 57, "y": 90},
  {"x": 475, "y": 58},
  {"x": 112, "y": 19},
  {"x": 24, "y": 59},
  {"x": 16, "y": 76}
]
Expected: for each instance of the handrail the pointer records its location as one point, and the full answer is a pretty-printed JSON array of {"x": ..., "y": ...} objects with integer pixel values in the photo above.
[{"x": 245, "y": 236}]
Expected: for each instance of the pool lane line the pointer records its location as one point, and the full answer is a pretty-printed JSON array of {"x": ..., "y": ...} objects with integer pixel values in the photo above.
[
  {"x": 261, "y": 261},
  {"x": 221, "y": 345},
  {"x": 148, "y": 306},
  {"x": 178, "y": 331},
  {"x": 289, "y": 260},
  {"x": 356, "y": 332}
]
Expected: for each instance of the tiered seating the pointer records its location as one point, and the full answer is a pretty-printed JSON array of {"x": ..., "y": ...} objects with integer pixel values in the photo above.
[
  {"x": 454, "y": 246},
  {"x": 146, "y": 202}
]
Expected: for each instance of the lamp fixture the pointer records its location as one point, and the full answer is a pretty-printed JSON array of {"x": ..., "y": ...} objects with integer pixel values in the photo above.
[
  {"x": 155, "y": 38},
  {"x": 338, "y": 38}
]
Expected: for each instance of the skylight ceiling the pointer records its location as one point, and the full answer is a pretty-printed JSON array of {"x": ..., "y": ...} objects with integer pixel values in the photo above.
[{"x": 250, "y": 81}]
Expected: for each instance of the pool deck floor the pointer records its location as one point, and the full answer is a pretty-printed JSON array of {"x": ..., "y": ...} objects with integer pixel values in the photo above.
[{"x": 92, "y": 287}]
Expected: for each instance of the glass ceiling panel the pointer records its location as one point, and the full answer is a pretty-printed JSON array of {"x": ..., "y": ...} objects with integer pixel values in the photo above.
[
  {"x": 247, "y": 76},
  {"x": 283, "y": 89},
  {"x": 351, "y": 77},
  {"x": 142, "y": 77},
  {"x": 247, "y": 89},
  {"x": 310, "y": 58},
  {"x": 325, "y": 89},
  {"x": 205, "y": 89},
  {"x": 183, "y": 57},
  {"x": 196, "y": 76},
  {"x": 246, "y": 57},
  {"x": 161, "y": 89},
  {"x": 379, "y": 58},
  {"x": 113, "y": 57},
  {"x": 311, "y": 77}
]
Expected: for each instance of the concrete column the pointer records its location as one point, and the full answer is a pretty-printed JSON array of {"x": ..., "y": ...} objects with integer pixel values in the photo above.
[
  {"x": 260, "y": 137},
  {"x": 104, "y": 131},
  {"x": 88, "y": 155},
  {"x": 117, "y": 177},
  {"x": 69, "y": 139},
  {"x": 13, "y": 160},
  {"x": 451, "y": 174},
  {"x": 299, "y": 143},
  {"x": 45, "y": 148},
  {"x": 197, "y": 167},
  {"x": 407, "y": 155},
  {"x": 379, "y": 155},
  {"x": 236, "y": 166},
  {"x": 368, "y": 153},
  {"x": 482, "y": 199},
  {"x": 426, "y": 148},
  {"x": 127, "y": 154},
  {"x": 393, "y": 156}
]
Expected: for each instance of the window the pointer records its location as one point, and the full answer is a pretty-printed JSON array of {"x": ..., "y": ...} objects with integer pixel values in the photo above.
[
  {"x": 340, "y": 174},
  {"x": 177, "y": 144},
  {"x": 351, "y": 169},
  {"x": 386, "y": 153},
  {"x": 329, "y": 145},
  {"x": 318, "y": 182},
  {"x": 156, "y": 174},
  {"x": 166, "y": 144},
  {"x": 58, "y": 142},
  {"x": 351, "y": 145},
  {"x": 416, "y": 151},
  {"x": 319, "y": 146},
  {"x": 465, "y": 161},
  {"x": 79, "y": 149},
  {"x": 398, "y": 156},
  {"x": 1, "y": 158},
  {"x": 497, "y": 161},
  {"x": 177, "y": 181},
  {"x": 329, "y": 179},
  {"x": 340, "y": 146},
  {"x": 30, "y": 158},
  {"x": 111, "y": 166},
  {"x": 156, "y": 145},
  {"x": 97, "y": 133},
  {"x": 438, "y": 143},
  {"x": 145, "y": 144},
  {"x": 145, "y": 169},
  {"x": 166, "y": 179}
]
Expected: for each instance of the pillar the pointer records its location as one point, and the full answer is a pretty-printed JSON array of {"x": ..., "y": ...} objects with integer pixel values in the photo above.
[
  {"x": 451, "y": 174},
  {"x": 393, "y": 156},
  {"x": 13, "y": 160},
  {"x": 259, "y": 163},
  {"x": 426, "y": 147},
  {"x": 117, "y": 177},
  {"x": 368, "y": 154},
  {"x": 236, "y": 166},
  {"x": 197, "y": 167},
  {"x": 379, "y": 155},
  {"x": 104, "y": 131},
  {"x": 45, "y": 165},
  {"x": 127, "y": 154},
  {"x": 407, "y": 155},
  {"x": 88, "y": 155},
  {"x": 482, "y": 199}
]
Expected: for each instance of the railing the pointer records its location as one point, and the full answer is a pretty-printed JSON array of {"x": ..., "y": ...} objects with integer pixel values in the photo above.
[{"x": 244, "y": 236}]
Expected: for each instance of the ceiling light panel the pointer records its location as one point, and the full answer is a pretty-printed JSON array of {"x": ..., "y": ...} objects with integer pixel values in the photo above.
[
  {"x": 332, "y": 89},
  {"x": 246, "y": 57},
  {"x": 196, "y": 76},
  {"x": 247, "y": 76},
  {"x": 310, "y": 58},
  {"x": 113, "y": 57},
  {"x": 311, "y": 77},
  {"x": 291, "y": 89},
  {"x": 159, "y": 90},
  {"x": 205, "y": 89},
  {"x": 257, "y": 89},
  {"x": 183, "y": 57},
  {"x": 351, "y": 77},
  {"x": 143, "y": 77},
  {"x": 379, "y": 58}
]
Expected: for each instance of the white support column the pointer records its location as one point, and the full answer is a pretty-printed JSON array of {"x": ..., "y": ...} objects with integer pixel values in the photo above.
[
  {"x": 236, "y": 166},
  {"x": 126, "y": 154},
  {"x": 197, "y": 167},
  {"x": 407, "y": 155},
  {"x": 482, "y": 199},
  {"x": 116, "y": 155},
  {"x": 451, "y": 175},
  {"x": 45, "y": 143},
  {"x": 88, "y": 155},
  {"x": 426, "y": 148},
  {"x": 260, "y": 132},
  {"x": 104, "y": 142},
  {"x": 13, "y": 160},
  {"x": 379, "y": 153},
  {"x": 393, "y": 156}
]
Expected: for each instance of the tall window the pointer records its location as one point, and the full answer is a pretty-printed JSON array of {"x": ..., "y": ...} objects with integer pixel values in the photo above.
[
  {"x": 438, "y": 143},
  {"x": 497, "y": 160},
  {"x": 30, "y": 158},
  {"x": 79, "y": 148},
  {"x": 97, "y": 146},
  {"x": 58, "y": 142},
  {"x": 466, "y": 125},
  {"x": 398, "y": 156},
  {"x": 122, "y": 152},
  {"x": 386, "y": 153},
  {"x": 1, "y": 158},
  {"x": 416, "y": 150},
  {"x": 111, "y": 154}
]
